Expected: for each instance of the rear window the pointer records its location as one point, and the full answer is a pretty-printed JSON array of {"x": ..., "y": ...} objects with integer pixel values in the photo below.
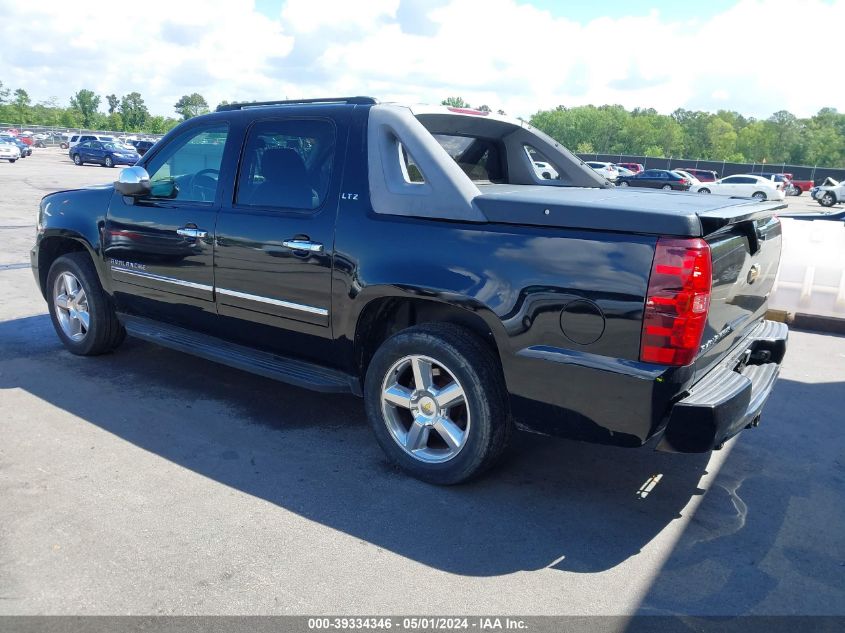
[{"x": 479, "y": 158}]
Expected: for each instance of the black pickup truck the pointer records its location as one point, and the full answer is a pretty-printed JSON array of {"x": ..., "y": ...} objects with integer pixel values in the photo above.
[{"x": 414, "y": 256}]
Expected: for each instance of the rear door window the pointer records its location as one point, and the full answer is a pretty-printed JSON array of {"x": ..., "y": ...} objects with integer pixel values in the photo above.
[{"x": 287, "y": 164}]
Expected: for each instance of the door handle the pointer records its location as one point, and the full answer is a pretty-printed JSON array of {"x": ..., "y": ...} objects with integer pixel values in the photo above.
[
  {"x": 192, "y": 232},
  {"x": 303, "y": 245}
]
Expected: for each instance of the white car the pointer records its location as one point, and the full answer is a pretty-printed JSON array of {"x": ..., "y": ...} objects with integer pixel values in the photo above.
[
  {"x": 9, "y": 152},
  {"x": 693, "y": 181},
  {"x": 608, "y": 170},
  {"x": 744, "y": 186},
  {"x": 545, "y": 170},
  {"x": 76, "y": 139},
  {"x": 829, "y": 195}
]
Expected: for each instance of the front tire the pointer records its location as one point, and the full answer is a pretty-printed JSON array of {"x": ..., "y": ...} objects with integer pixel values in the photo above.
[
  {"x": 77, "y": 160},
  {"x": 437, "y": 403},
  {"x": 623, "y": 184},
  {"x": 827, "y": 200},
  {"x": 82, "y": 313},
  {"x": 12, "y": 160}
]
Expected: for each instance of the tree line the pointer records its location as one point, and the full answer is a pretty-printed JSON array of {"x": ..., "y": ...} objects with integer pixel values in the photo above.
[
  {"x": 721, "y": 136},
  {"x": 725, "y": 135},
  {"x": 127, "y": 113}
]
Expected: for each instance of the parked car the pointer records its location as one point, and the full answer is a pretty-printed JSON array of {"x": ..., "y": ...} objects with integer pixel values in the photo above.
[
  {"x": 9, "y": 151},
  {"x": 624, "y": 172},
  {"x": 704, "y": 175},
  {"x": 836, "y": 215},
  {"x": 75, "y": 139},
  {"x": 692, "y": 179},
  {"x": 142, "y": 147},
  {"x": 799, "y": 186},
  {"x": 829, "y": 195},
  {"x": 744, "y": 185},
  {"x": 603, "y": 315},
  {"x": 24, "y": 149},
  {"x": 775, "y": 177},
  {"x": 608, "y": 170},
  {"x": 655, "y": 179},
  {"x": 105, "y": 154},
  {"x": 634, "y": 167}
]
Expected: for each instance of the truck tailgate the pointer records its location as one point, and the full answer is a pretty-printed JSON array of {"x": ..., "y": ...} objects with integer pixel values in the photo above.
[{"x": 745, "y": 251}]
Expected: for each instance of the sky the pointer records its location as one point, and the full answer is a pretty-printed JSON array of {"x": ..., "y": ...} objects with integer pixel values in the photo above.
[{"x": 753, "y": 56}]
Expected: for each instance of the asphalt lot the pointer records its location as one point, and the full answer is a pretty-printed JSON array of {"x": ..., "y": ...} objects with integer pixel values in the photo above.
[{"x": 146, "y": 482}]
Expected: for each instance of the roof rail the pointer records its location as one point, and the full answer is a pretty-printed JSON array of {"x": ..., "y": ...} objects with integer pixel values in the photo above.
[{"x": 268, "y": 104}]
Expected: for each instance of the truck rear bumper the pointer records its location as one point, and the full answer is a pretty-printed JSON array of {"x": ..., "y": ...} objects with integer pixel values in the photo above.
[{"x": 730, "y": 397}]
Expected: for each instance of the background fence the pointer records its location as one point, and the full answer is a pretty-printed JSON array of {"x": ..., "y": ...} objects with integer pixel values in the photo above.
[
  {"x": 54, "y": 132},
  {"x": 724, "y": 168}
]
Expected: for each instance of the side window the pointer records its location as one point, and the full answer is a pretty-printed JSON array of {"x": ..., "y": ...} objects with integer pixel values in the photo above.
[
  {"x": 410, "y": 169},
  {"x": 287, "y": 164},
  {"x": 731, "y": 181},
  {"x": 188, "y": 168},
  {"x": 542, "y": 166}
]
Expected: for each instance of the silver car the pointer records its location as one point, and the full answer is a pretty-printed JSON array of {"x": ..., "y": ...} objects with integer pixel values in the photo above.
[{"x": 9, "y": 152}]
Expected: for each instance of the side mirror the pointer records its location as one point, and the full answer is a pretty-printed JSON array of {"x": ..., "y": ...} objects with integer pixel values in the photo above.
[{"x": 133, "y": 181}]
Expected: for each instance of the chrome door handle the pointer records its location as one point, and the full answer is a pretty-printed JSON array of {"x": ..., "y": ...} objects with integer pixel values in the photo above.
[
  {"x": 192, "y": 232},
  {"x": 303, "y": 245}
]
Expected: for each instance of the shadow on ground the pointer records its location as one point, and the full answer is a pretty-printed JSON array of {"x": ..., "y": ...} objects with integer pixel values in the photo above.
[
  {"x": 768, "y": 536},
  {"x": 551, "y": 504}
]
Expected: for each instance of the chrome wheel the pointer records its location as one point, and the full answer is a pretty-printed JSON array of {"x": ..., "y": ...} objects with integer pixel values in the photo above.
[
  {"x": 425, "y": 409},
  {"x": 71, "y": 304}
]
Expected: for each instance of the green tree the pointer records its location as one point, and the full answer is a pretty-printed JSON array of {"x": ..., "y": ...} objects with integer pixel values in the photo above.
[
  {"x": 4, "y": 93},
  {"x": 455, "y": 102},
  {"x": 22, "y": 102},
  {"x": 721, "y": 139},
  {"x": 85, "y": 102},
  {"x": 134, "y": 112},
  {"x": 191, "y": 105},
  {"x": 113, "y": 102}
]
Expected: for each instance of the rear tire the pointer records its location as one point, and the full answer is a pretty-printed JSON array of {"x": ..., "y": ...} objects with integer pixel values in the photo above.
[
  {"x": 667, "y": 187},
  {"x": 82, "y": 313},
  {"x": 109, "y": 162},
  {"x": 409, "y": 395},
  {"x": 704, "y": 190},
  {"x": 758, "y": 195}
]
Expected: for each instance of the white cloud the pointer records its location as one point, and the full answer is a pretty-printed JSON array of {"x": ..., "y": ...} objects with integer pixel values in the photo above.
[{"x": 502, "y": 53}]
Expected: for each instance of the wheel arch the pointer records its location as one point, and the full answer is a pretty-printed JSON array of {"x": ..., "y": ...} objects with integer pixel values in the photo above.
[
  {"x": 53, "y": 246},
  {"x": 383, "y": 316}
]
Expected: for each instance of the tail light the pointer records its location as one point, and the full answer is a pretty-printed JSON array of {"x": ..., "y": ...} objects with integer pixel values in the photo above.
[
  {"x": 684, "y": 181},
  {"x": 677, "y": 301}
]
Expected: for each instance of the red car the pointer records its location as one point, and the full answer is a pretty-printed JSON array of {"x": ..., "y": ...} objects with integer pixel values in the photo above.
[
  {"x": 800, "y": 185},
  {"x": 634, "y": 167},
  {"x": 703, "y": 175}
]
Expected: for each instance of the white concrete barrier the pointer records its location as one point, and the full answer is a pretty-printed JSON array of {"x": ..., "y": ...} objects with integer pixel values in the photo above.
[{"x": 811, "y": 279}]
